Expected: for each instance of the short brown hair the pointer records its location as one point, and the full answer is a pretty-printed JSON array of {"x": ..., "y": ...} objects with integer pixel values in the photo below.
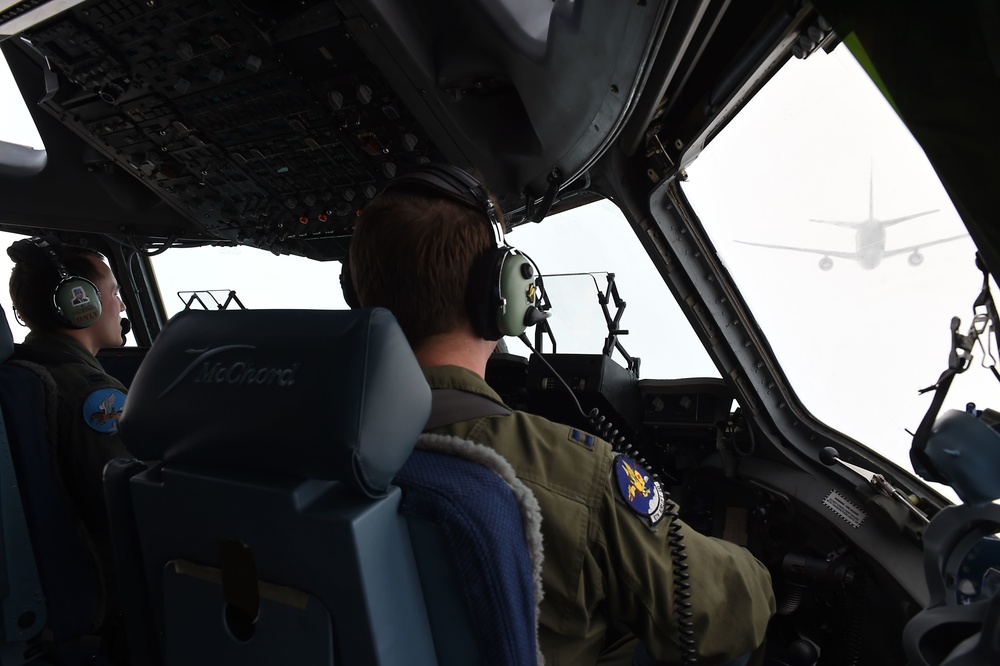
[
  {"x": 411, "y": 252},
  {"x": 32, "y": 284}
]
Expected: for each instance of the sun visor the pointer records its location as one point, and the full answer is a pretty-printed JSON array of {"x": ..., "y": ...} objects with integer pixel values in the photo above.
[{"x": 306, "y": 393}]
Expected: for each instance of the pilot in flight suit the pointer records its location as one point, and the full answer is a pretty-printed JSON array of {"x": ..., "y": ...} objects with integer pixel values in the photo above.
[
  {"x": 604, "y": 567},
  {"x": 69, "y": 299},
  {"x": 423, "y": 250},
  {"x": 84, "y": 426}
]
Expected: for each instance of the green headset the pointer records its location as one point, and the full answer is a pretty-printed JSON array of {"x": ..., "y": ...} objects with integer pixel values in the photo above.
[
  {"x": 76, "y": 301},
  {"x": 502, "y": 293}
]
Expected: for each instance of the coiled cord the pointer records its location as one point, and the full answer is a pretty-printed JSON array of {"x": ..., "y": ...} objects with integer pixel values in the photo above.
[
  {"x": 675, "y": 537},
  {"x": 605, "y": 430},
  {"x": 682, "y": 585}
]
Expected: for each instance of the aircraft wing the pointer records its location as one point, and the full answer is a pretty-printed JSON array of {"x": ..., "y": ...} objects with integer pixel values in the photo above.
[
  {"x": 914, "y": 248},
  {"x": 897, "y": 220},
  {"x": 825, "y": 253}
]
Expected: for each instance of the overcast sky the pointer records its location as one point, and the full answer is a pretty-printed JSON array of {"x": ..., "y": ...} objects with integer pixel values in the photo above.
[{"x": 857, "y": 344}]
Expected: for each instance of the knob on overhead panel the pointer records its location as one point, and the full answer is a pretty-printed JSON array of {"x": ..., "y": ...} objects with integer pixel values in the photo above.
[{"x": 828, "y": 455}]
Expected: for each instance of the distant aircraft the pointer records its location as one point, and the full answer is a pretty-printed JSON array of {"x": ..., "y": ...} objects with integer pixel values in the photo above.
[{"x": 869, "y": 239}]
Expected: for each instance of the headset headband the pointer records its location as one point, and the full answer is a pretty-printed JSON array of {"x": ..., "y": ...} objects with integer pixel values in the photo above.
[
  {"x": 39, "y": 250},
  {"x": 459, "y": 186}
]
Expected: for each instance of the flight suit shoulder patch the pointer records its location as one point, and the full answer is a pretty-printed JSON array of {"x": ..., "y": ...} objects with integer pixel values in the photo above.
[
  {"x": 584, "y": 439},
  {"x": 102, "y": 409},
  {"x": 638, "y": 490}
]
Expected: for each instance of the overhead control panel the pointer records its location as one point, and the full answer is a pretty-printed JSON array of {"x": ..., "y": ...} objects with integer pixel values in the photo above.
[
  {"x": 263, "y": 127},
  {"x": 272, "y": 123}
]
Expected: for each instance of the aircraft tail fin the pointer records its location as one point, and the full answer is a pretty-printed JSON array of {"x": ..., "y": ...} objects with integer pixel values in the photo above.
[
  {"x": 871, "y": 191},
  {"x": 871, "y": 210}
]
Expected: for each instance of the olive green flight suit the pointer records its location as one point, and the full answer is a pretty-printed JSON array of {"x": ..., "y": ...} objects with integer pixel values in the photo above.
[
  {"x": 85, "y": 441},
  {"x": 604, "y": 568},
  {"x": 84, "y": 404}
]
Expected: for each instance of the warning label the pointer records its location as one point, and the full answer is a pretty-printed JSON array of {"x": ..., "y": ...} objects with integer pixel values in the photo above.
[{"x": 844, "y": 508}]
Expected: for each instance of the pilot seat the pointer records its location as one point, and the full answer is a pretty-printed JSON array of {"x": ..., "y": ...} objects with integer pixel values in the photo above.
[
  {"x": 52, "y": 598},
  {"x": 274, "y": 528}
]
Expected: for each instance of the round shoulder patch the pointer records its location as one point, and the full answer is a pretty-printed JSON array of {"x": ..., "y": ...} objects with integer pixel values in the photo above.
[
  {"x": 102, "y": 408},
  {"x": 639, "y": 490}
]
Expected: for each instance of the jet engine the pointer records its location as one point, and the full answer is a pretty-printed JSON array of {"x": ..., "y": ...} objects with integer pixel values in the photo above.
[
  {"x": 826, "y": 263},
  {"x": 915, "y": 259}
]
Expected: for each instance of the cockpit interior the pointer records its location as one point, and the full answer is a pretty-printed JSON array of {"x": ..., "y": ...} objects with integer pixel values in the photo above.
[{"x": 173, "y": 128}]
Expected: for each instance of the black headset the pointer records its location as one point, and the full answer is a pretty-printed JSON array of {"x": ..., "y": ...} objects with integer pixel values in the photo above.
[
  {"x": 76, "y": 301},
  {"x": 502, "y": 293}
]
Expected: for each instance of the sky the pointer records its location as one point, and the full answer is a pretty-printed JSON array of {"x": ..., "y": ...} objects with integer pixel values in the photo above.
[
  {"x": 653, "y": 319},
  {"x": 15, "y": 123},
  {"x": 855, "y": 344}
]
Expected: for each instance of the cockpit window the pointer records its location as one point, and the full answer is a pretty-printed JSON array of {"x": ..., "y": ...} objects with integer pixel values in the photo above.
[
  {"x": 575, "y": 250},
  {"x": 16, "y": 126},
  {"x": 205, "y": 276},
  {"x": 846, "y": 247}
]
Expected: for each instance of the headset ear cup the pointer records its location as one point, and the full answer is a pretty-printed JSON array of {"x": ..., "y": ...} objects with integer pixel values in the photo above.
[
  {"x": 501, "y": 294},
  {"x": 482, "y": 294},
  {"x": 77, "y": 301},
  {"x": 516, "y": 277}
]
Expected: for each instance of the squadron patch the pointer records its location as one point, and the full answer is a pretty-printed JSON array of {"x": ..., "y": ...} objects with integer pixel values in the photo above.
[
  {"x": 102, "y": 408},
  {"x": 639, "y": 490}
]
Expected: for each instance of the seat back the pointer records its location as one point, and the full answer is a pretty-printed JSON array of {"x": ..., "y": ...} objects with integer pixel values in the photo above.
[
  {"x": 22, "y": 611},
  {"x": 270, "y": 531},
  {"x": 50, "y": 574},
  {"x": 476, "y": 530}
]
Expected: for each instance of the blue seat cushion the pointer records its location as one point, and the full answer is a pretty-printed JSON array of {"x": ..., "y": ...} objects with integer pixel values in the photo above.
[{"x": 481, "y": 522}]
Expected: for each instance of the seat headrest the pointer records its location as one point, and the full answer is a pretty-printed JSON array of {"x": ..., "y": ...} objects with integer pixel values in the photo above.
[
  {"x": 313, "y": 394},
  {"x": 6, "y": 337}
]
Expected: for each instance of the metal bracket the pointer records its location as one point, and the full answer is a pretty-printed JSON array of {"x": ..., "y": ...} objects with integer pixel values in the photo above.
[
  {"x": 829, "y": 456},
  {"x": 189, "y": 298}
]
